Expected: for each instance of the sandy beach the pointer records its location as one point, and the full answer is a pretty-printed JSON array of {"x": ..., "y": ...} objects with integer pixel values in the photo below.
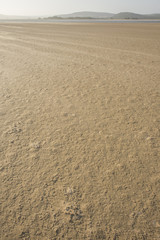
[{"x": 79, "y": 125}]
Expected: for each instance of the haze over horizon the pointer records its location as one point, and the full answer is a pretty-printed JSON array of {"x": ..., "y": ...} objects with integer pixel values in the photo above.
[{"x": 50, "y": 7}]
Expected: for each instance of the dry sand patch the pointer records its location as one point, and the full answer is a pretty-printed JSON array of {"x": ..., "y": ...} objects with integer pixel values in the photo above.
[{"x": 79, "y": 123}]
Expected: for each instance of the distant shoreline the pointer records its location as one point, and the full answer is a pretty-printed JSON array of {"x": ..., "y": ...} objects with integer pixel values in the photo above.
[
  {"x": 91, "y": 18},
  {"x": 79, "y": 20}
]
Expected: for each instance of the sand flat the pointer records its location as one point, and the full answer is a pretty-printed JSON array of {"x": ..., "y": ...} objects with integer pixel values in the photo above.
[{"x": 79, "y": 124}]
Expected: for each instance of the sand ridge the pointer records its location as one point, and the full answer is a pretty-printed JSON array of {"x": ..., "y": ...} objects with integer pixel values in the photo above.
[{"x": 79, "y": 124}]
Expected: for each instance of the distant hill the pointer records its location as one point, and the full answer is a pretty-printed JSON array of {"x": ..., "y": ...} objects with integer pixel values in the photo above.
[
  {"x": 130, "y": 15},
  {"x": 103, "y": 15},
  {"x": 86, "y": 15},
  {"x": 89, "y": 15}
]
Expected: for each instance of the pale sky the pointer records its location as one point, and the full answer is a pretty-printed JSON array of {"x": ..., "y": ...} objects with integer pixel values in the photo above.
[{"x": 53, "y": 7}]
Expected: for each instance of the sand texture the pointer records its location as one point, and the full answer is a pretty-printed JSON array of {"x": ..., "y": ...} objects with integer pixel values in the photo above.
[{"x": 79, "y": 125}]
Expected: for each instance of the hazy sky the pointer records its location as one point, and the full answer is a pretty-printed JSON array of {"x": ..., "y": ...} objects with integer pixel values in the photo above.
[{"x": 52, "y": 7}]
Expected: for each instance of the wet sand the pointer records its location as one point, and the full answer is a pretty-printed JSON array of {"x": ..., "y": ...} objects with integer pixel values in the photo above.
[{"x": 79, "y": 124}]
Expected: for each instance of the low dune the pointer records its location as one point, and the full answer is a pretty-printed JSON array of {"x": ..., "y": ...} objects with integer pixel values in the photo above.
[{"x": 79, "y": 124}]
